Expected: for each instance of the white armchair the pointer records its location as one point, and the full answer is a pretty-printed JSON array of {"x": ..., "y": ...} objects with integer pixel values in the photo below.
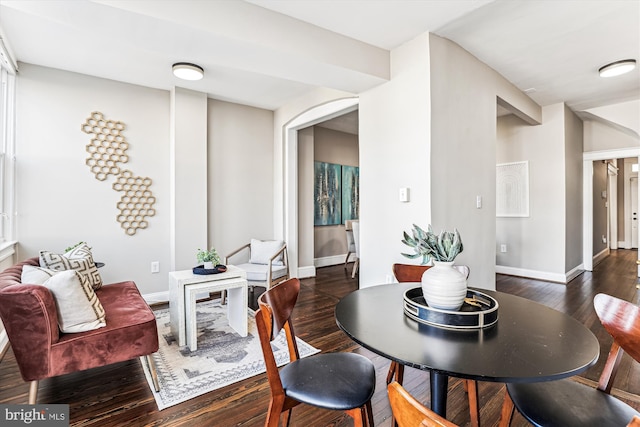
[
  {"x": 265, "y": 262},
  {"x": 356, "y": 239},
  {"x": 351, "y": 243}
]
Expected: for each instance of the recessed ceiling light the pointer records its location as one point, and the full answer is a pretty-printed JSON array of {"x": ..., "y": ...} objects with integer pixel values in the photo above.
[
  {"x": 187, "y": 71},
  {"x": 617, "y": 68}
]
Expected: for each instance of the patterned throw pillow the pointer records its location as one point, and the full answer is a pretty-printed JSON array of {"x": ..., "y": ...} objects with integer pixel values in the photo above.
[
  {"x": 79, "y": 308},
  {"x": 78, "y": 258}
]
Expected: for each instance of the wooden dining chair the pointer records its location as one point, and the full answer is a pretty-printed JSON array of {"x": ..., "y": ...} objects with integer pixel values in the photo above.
[
  {"x": 338, "y": 381},
  {"x": 569, "y": 403},
  {"x": 408, "y": 412},
  {"x": 413, "y": 273}
]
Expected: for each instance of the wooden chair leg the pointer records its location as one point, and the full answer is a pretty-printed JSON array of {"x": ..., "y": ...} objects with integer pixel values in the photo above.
[
  {"x": 33, "y": 392},
  {"x": 287, "y": 414},
  {"x": 474, "y": 407},
  {"x": 392, "y": 371},
  {"x": 273, "y": 416},
  {"x": 362, "y": 417},
  {"x": 395, "y": 370},
  {"x": 507, "y": 410},
  {"x": 369, "y": 411},
  {"x": 399, "y": 373},
  {"x": 356, "y": 264}
]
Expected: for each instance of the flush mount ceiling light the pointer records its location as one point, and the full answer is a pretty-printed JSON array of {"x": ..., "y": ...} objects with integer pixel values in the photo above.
[
  {"x": 187, "y": 71},
  {"x": 617, "y": 68}
]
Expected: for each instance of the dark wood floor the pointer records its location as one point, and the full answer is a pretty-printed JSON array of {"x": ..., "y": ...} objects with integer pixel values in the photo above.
[{"x": 118, "y": 395}]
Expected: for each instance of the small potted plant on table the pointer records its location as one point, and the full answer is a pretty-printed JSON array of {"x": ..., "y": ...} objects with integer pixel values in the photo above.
[{"x": 209, "y": 258}]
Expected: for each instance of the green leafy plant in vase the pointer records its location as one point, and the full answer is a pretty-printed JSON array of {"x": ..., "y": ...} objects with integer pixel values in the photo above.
[
  {"x": 444, "y": 286},
  {"x": 209, "y": 258}
]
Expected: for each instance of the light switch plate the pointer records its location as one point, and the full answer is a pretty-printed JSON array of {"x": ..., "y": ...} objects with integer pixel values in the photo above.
[{"x": 404, "y": 194}]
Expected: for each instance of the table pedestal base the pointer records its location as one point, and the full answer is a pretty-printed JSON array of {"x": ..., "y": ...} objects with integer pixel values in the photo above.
[{"x": 438, "y": 385}]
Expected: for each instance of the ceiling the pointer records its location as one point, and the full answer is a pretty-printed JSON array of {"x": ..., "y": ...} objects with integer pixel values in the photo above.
[{"x": 264, "y": 53}]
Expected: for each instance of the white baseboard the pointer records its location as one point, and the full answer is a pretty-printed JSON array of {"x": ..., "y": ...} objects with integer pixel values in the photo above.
[
  {"x": 331, "y": 260},
  {"x": 156, "y": 297},
  {"x": 542, "y": 275},
  {"x": 597, "y": 258},
  {"x": 307, "y": 271},
  {"x": 533, "y": 274},
  {"x": 572, "y": 274}
]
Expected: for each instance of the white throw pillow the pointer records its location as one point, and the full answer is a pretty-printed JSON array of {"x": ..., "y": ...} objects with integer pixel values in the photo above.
[
  {"x": 79, "y": 308},
  {"x": 262, "y": 251},
  {"x": 79, "y": 258}
]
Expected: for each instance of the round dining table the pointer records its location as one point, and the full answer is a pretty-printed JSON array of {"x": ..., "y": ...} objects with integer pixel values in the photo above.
[{"x": 530, "y": 342}]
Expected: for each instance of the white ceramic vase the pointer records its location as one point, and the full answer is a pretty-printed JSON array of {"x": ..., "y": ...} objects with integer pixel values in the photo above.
[
  {"x": 208, "y": 265},
  {"x": 443, "y": 286}
]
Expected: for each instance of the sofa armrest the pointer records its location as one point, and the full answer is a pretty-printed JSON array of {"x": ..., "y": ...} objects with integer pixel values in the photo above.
[{"x": 30, "y": 319}]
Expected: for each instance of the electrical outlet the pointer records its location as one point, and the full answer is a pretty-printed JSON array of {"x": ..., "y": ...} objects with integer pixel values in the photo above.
[
  {"x": 155, "y": 266},
  {"x": 503, "y": 248},
  {"x": 389, "y": 279}
]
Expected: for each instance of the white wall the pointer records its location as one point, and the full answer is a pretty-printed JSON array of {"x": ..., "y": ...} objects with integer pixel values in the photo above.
[
  {"x": 574, "y": 136},
  {"x": 188, "y": 176},
  {"x": 544, "y": 147},
  {"x": 395, "y": 141},
  {"x": 464, "y": 93},
  {"x": 240, "y": 175},
  {"x": 306, "y": 142},
  {"x": 599, "y": 137},
  {"x": 59, "y": 201},
  {"x": 625, "y": 114}
]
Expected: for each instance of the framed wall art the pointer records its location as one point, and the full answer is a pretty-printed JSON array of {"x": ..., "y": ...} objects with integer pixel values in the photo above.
[
  {"x": 512, "y": 189},
  {"x": 327, "y": 194},
  {"x": 350, "y": 193}
]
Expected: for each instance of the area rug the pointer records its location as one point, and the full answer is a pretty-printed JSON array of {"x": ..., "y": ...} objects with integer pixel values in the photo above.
[{"x": 223, "y": 357}]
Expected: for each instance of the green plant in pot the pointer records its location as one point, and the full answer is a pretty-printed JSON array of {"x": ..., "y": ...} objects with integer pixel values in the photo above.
[
  {"x": 209, "y": 258},
  {"x": 443, "y": 285}
]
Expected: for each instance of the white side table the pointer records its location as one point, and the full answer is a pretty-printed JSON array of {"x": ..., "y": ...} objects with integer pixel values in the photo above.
[{"x": 183, "y": 288}]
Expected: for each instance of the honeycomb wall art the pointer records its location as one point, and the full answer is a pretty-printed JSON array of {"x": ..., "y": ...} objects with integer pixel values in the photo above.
[
  {"x": 136, "y": 204},
  {"x": 107, "y": 148},
  {"x": 107, "y": 151}
]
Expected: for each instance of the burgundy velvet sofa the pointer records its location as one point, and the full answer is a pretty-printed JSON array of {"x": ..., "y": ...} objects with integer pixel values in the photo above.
[{"x": 29, "y": 315}]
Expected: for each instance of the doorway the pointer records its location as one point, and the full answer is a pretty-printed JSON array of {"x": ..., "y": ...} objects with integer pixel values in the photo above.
[
  {"x": 588, "y": 198},
  {"x": 310, "y": 117}
]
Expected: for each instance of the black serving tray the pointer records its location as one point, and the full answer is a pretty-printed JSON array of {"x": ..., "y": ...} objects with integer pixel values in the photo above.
[
  {"x": 217, "y": 269},
  {"x": 467, "y": 317}
]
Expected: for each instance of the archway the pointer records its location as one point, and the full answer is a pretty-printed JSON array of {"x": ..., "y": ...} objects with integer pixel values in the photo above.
[{"x": 308, "y": 118}]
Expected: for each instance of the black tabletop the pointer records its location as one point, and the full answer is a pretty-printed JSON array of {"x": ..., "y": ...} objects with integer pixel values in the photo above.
[{"x": 530, "y": 342}]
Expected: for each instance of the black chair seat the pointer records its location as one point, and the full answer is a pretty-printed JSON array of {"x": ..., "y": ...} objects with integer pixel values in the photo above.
[
  {"x": 339, "y": 381},
  {"x": 566, "y": 403}
]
